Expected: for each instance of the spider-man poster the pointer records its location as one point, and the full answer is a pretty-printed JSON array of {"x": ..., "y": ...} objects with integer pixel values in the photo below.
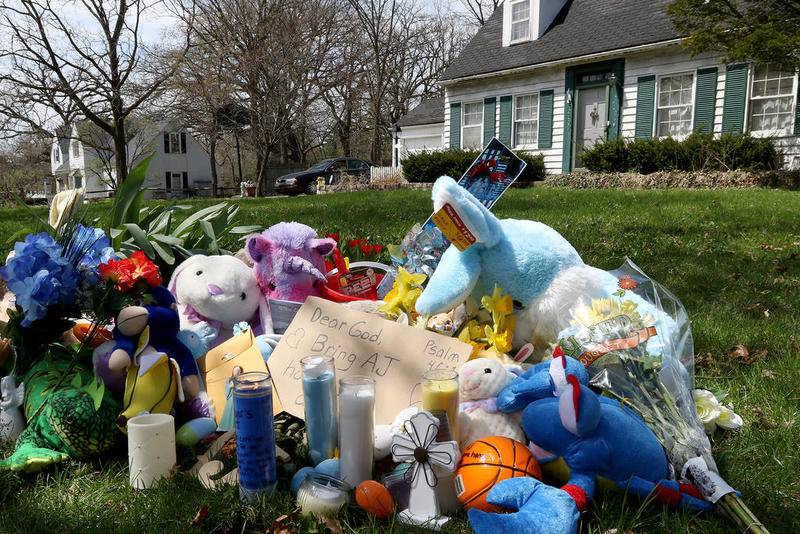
[{"x": 492, "y": 173}]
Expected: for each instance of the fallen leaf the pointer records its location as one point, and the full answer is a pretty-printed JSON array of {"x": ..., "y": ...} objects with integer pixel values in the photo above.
[
  {"x": 762, "y": 419},
  {"x": 285, "y": 523},
  {"x": 704, "y": 361},
  {"x": 738, "y": 352},
  {"x": 767, "y": 373},
  {"x": 741, "y": 355},
  {"x": 200, "y": 516}
]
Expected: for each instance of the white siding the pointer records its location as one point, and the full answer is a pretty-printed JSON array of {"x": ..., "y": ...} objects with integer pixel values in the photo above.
[
  {"x": 420, "y": 138},
  {"x": 545, "y": 79}
]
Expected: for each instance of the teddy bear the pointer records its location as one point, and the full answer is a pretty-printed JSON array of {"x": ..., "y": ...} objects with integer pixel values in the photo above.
[
  {"x": 479, "y": 382},
  {"x": 220, "y": 291}
]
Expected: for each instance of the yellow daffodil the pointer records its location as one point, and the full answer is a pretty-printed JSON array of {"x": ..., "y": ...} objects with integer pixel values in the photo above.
[
  {"x": 404, "y": 294},
  {"x": 501, "y": 332}
]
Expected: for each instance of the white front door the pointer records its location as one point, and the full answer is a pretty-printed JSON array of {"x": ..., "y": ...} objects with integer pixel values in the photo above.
[{"x": 592, "y": 119}]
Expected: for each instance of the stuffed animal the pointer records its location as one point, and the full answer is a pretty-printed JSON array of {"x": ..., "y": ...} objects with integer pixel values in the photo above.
[
  {"x": 479, "y": 383},
  {"x": 220, "y": 291},
  {"x": 12, "y": 423},
  {"x": 533, "y": 263},
  {"x": 289, "y": 261},
  {"x": 596, "y": 436}
]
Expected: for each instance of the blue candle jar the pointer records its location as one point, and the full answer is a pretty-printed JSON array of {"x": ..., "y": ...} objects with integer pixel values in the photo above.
[
  {"x": 319, "y": 397},
  {"x": 255, "y": 434}
]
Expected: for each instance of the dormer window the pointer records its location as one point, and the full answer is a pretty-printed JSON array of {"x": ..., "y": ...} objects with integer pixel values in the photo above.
[
  {"x": 56, "y": 154},
  {"x": 520, "y": 20}
]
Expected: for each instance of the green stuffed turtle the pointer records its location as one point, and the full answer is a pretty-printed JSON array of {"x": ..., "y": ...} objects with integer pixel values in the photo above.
[{"x": 69, "y": 416}]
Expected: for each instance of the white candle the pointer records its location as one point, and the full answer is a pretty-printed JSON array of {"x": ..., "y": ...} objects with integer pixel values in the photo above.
[
  {"x": 356, "y": 429},
  {"x": 151, "y": 448}
]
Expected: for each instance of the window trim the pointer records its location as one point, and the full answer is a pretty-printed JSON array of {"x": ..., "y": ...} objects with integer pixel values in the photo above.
[
  {"x": 788, "y": 132},
  {"x": 57, "y": 154},
  {"x": 693, "y": 72},
  {"x": 464, "y": 105},
  {"x": 511, "y": 21},
  {"x": 535, "y": 144}
]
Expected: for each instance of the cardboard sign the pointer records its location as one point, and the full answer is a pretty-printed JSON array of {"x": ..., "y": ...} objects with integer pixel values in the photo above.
[
  {"x": 453, "y": 228},
  {"x": 392, "y": 354}
]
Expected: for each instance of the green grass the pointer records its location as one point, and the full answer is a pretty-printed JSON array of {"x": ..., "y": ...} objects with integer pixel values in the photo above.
[{"x": 731, "y": 256}]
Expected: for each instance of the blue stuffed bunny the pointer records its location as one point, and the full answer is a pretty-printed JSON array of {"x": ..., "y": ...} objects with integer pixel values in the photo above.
[{"x": 530, "y": 261}]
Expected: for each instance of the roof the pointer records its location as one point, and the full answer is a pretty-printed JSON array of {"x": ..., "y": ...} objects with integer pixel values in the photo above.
[
  {"x": 583, "y": 27},
  {"x": 430, "y": 111}
]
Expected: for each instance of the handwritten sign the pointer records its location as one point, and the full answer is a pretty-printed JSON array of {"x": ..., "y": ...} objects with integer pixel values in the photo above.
[{"x": 394, "y": 355}]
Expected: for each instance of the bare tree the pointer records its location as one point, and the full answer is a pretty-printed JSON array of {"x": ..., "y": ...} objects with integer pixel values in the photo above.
[
  {"x": 24, "y": 166},
  {"x": 100, "y": 65},
  {"x": 479, "y": 11},
  {"x": 99, "y": 148}
]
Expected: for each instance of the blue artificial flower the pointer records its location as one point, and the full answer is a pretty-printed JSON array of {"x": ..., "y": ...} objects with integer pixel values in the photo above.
[{"x": 92, "y": 245}]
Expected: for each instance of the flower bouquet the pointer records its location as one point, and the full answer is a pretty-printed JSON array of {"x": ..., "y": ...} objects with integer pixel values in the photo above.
[{"x": 636, "y": 342}]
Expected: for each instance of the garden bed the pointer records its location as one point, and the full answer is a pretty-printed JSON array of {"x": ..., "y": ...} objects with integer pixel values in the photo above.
[{"x": 677, "y": 179}]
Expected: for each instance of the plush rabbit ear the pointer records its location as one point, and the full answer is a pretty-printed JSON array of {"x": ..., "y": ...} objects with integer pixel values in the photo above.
[
  {"x": 578, "y": 408},
  {"x": 323, "y": 246},
  {"x": 258, "y": 246},
  {"x": 479, "y": 220},
  {"x": 173, "y": 281}
]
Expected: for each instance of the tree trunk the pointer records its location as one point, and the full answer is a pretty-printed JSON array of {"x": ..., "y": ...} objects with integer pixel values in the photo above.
[
  {"x": 212, "y": 151},
  {"x": 120, "y": 152}
]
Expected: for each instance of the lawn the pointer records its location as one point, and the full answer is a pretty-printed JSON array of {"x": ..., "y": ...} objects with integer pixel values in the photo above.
[{"x": 731, "y": 256}]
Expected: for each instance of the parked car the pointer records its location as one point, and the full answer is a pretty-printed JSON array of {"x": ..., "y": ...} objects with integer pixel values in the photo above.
[{"x": 329, "y": 170}]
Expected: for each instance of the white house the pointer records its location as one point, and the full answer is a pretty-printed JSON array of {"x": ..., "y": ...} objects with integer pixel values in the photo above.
[
  {"x": 179, "y": 167},
  {"x": 554, "y": 76}
]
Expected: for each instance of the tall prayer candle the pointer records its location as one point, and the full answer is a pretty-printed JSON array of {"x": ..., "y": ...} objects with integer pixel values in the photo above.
[
  {"x": 151, "y": 448},
  {"x": 255, "y": 434},
  {"x": 440, "y": 393},
  {"x": 319, "y": 396},
  {"x": 356, "y": 428}
]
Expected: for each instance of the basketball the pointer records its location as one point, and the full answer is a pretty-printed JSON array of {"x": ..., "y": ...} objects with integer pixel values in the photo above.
[
  {"x": 375, "y": 499},
  {"x": 489, "y": 461}
]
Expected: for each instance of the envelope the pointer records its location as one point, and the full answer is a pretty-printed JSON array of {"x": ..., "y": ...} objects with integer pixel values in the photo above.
[{"x": 218, "y": 364}]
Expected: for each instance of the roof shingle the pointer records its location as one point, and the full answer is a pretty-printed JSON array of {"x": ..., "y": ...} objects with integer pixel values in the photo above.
[
  {"x": 430, "y": 111},
  {"x": 582, "y": 27}
]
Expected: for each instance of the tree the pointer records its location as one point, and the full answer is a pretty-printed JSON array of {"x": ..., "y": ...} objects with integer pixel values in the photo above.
[
  {"x": 24, "y": 166},
  {"x": 763, "y": 31},
  {"x": 96, "y": 65},
  {"x": 479, "y": 11}
]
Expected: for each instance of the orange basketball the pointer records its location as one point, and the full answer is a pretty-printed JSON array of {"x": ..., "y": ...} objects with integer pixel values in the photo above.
[
  {"x": 488, "y": 461},
  {"x": 375, "y": 499}
]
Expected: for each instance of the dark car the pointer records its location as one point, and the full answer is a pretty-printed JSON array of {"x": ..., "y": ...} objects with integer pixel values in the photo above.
[{"x": 329, "y": 170}]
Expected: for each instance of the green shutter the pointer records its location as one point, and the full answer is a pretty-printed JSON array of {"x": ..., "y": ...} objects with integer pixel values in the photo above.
[
  {"x": 705, "y": 100},
  {"x": 735, "y": 95},
  {"x": 546, "y": 119},
  {"x": 489, "y": 108},
  {"x": 797, "y": 112},
  {"x": 645, "y": 101},
  {"x": 506, "y": 102},
  {"x": 455, "y": 125}
]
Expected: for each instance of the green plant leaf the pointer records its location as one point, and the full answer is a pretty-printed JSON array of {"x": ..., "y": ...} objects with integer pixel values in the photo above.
[
  {"x": 141, "y": 239},
  {"x": 129, "y": 196},
  {"x": 164, "y": 253},
  {"x": 203, "y": 214},
  {"x": 251, "y": 229},
  {"x": 167, "y": 239}
]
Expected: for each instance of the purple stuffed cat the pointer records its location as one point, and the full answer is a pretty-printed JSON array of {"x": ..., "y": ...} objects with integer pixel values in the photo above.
[{"x": 288, "y": 261}]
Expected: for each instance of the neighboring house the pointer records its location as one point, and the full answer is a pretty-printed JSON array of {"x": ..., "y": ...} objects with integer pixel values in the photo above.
[
  {"x": 179, "y": 167},
  {"x": 420, "y": 129},
  {"x": 555, "y": 76}
]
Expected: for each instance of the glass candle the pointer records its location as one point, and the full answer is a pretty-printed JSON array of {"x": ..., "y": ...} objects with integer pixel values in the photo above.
[
  {"x": 356, "y": 429},
  {"x": 440, "y": 393},
  {"x": 255, "y": 434},
  {"x": 319, "y": 397},
  {"x": 321, "y": 495}
]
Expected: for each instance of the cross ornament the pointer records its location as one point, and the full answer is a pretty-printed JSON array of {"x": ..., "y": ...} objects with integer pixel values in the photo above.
[{"x": 423, "y": 451}]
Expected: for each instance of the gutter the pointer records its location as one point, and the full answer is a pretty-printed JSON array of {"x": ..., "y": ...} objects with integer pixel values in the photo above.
[{"x": 566, "y": 61}]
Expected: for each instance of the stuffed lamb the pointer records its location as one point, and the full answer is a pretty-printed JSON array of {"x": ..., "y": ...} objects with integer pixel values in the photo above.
[
  {"x": 529, "y": 260},
  {"x": 220, "y": 291},
  {"x": 479, "y": 382}
]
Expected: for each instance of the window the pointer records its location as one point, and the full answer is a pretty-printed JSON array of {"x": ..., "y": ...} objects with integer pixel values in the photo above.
[
  {"x": 675, "y": 105},
  {"x": 176, "y": 182},
  {"x": 174, "y": 143},
  {"x": 77, "y": 181},
  {"x": 56, "y": 154},
  {"x": 771, "y": 99},
  {"x": 76, "y": 148},
  {"x": 520, "y": 20},
  {"x": 472, "y": 130},
  {"x": 526, "y": 119}
]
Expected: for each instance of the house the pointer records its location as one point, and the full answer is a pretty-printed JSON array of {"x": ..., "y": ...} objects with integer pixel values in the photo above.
[
  {"x": 555, "y": 76},
  {"x": 82, "y": 155},
  {"x": 421, "y": 129}
]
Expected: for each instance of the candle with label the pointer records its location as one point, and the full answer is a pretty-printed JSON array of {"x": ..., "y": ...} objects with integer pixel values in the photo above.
[
  {"x": 319, "y": 397},
  {"x": 356, "y": 429},
  {"x": 255, "y": 434},
  {"x": 440, "y": 393}
]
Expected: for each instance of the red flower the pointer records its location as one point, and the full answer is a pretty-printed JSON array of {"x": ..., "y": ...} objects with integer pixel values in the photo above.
[
  {"x": 366, "y": 249},
  {"x": 627, "y": 282},
  {"x": 355, "y": 243},
  {"x": 128, "y": 272},
  {"x": 377, "y": 249},
  {"x": 334, "y": 236}
]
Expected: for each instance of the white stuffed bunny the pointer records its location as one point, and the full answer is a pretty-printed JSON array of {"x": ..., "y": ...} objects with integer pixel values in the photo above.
[
  {"x": 221, "y": 291},
  {"x": 479, "y": 382}
]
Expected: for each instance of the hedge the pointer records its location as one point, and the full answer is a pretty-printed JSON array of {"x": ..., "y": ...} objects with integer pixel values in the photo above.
[
  {"x": 698, "y": 152},
  {"x": 426, "y": 167}
]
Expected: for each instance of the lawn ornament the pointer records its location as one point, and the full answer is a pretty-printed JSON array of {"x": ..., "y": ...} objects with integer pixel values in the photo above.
[
  {"x": 289, "y": 261},
  {"x": 596, "y": 436},
  {"x": 532, "y": 262},
  {"x": 479, "y": 382},
  {"x": 12, "y": 423},
  {"x": 420, "y": 448},
  {"x": 220, "y": 291}
]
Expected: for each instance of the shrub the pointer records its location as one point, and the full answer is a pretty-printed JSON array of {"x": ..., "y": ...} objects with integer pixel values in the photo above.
[
  {"x": 698, "y": 152},
  {"x": 426, "y": 167}
]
